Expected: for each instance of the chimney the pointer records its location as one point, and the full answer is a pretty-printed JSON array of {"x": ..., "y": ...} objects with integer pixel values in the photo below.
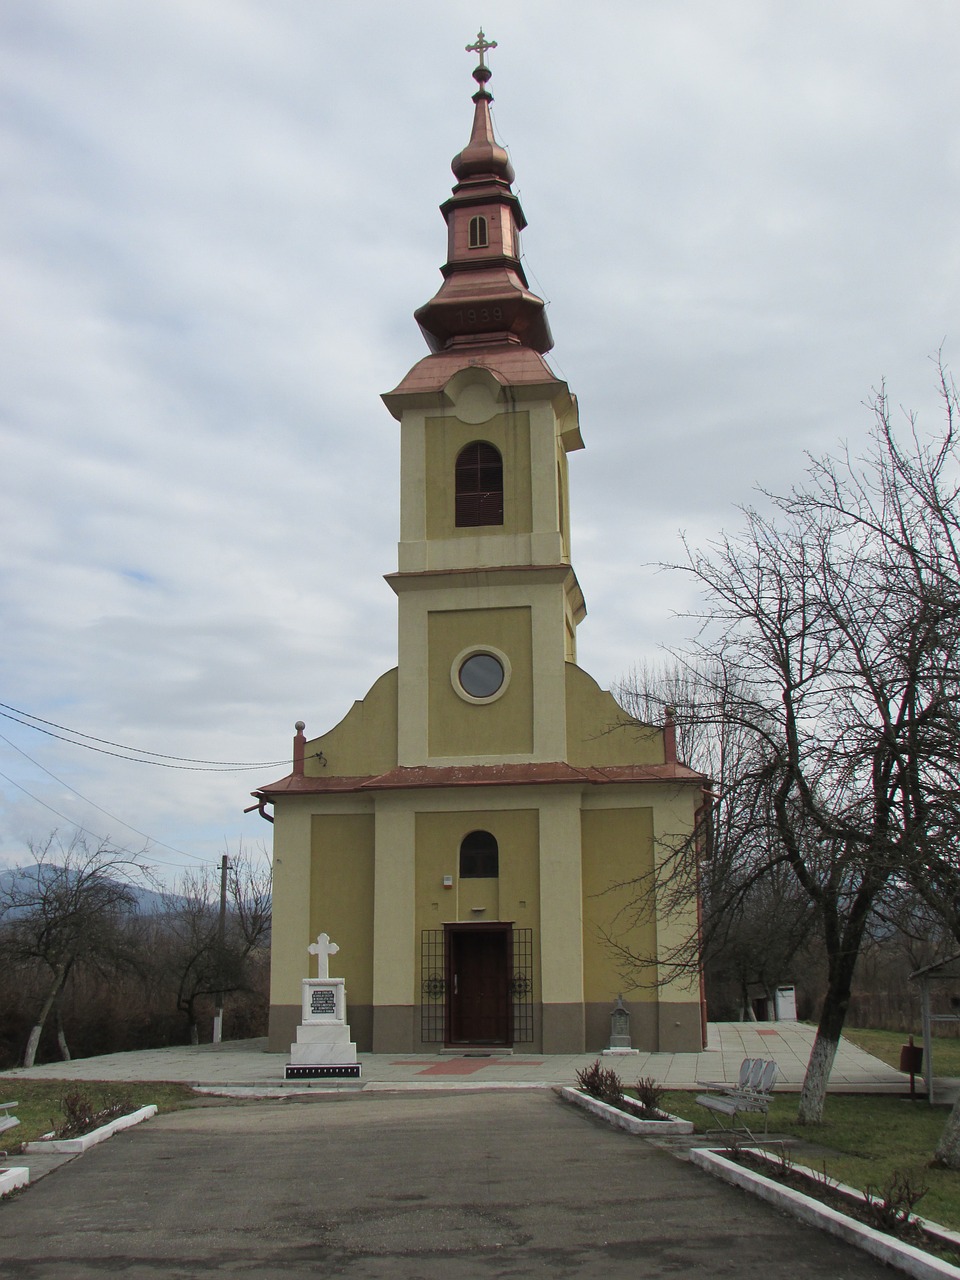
[{"x": 669, "y": 736}]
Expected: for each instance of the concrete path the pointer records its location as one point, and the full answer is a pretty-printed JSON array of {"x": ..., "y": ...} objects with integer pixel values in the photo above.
[
  {"x": 365, "y": 1187},
  {"x": 244, "y": 1066}
]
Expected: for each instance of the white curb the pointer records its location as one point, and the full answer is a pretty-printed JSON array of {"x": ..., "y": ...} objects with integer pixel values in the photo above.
[
  {"x": 621, "y": 1119},
  {"x": 74, "y": 1146},
  {"x": 10, "y": 1179},
  {"x": 895, "y": 1253}
]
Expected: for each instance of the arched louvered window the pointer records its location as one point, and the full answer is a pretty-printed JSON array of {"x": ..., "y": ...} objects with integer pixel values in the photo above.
[
  {"x": 479, "y": 486},
  {"x": 478, "y": 232},
  {"x": 479, "y": 857}
]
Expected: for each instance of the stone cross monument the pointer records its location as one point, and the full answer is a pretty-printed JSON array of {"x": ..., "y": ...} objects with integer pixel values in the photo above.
[{"x": 323, "y": 1049}]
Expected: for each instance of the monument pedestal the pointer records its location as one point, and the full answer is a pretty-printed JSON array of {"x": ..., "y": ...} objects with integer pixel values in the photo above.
[{"x": 323, "y": 1049}]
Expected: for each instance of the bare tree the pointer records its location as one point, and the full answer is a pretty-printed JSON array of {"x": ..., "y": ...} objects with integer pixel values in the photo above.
[
  {"x": 189, "y": 939},
  {"x": 830, "y": 634},
  {"x": 907, "y": 504},
  {"x": 66, "y": 909},
  {"x": 754, "y": 920}
]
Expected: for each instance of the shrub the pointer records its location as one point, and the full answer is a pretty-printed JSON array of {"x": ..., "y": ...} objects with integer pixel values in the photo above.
[
  {"x": 80, "y": 1116},
  {"x": 649, "y": 1094},
  {"x": 891, "y": 1205},
  {"x": 600, "y": 1083}
]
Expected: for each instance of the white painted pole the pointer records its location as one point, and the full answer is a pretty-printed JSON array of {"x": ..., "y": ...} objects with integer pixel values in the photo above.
[{"x": 221, "y": 934}]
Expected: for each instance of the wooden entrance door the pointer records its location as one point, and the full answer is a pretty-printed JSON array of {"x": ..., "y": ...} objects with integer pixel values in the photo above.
[{"x": 478, "y": 984}]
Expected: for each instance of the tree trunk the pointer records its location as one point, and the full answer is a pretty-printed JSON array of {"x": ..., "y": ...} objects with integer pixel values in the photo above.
[
  {"x": 187, "y": 1006},
  {"x": 33, "y": 1040},
  {"x": 948, "y": 1148},
  {"x": 814, "y": 1091},
  {"x": 61, "y": 1037},
  {"x": 833, "y": 1014}
]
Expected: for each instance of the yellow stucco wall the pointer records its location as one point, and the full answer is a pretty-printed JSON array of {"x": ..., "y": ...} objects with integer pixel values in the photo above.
[
  {"x": 599, "y": 731},
  {"x": 439, "y": 836},
  {"x": 617, "y": 849},
  {"x": 445, "y": 437},
  {"x": 394, "y": 900},
  {"x": 291, "y": 900},
  {"x": 365, "y": 740},
  {"x": 561, "y": 914},
  {"x": 563, "y": 501},
  {"x": 341, "y": 896},
  {"x": 459, "y": 728},
  {"x": 514, "y": 896},
  {"x": 673, "y": 824}
]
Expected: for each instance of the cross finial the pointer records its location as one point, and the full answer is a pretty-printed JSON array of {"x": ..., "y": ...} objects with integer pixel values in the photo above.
[
  {"x": 481, "y": 46},
  {"x": 323, "y": 949}
]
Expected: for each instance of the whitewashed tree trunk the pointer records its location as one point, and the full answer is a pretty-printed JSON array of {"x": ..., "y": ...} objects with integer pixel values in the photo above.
[
  {"x": 33, "y": 1040},
  {"x": 814, "y": 1091},
  {"x": 61, "y": 1037}
]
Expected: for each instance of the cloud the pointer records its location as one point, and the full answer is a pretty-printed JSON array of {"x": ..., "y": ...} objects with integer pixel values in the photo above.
[{"x": 220, "y": 219}]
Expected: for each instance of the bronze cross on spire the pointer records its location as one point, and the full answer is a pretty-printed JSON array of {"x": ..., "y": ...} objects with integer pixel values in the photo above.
[{"x": 481, "y": 46}]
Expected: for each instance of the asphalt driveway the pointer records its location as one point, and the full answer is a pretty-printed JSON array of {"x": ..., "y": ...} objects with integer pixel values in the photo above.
[{"x": 508, "y": 1184}]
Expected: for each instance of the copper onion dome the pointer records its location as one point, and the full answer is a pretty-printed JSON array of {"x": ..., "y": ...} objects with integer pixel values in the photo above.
[
  {"x": 482, "y": 156},
  {"x": 484, "y": 297}
]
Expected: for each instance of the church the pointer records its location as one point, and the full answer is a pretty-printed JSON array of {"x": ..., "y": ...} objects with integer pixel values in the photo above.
[{"x": 481, "y": 833}]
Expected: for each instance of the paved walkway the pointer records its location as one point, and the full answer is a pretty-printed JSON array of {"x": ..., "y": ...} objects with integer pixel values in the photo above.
[
  {"x": 245, "y": 1068},
  {"x": 412, "y": 1186}
]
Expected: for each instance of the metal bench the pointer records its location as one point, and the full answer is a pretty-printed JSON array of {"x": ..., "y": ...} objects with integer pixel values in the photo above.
[
  {"x": 733, "y": 1101},
  {"x": 750, "y": 1071},
  {"x": 7, "y": 1121}
]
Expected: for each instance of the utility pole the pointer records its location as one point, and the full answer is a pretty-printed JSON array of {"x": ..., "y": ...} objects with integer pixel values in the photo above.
[{"x": 221, "y": 938}]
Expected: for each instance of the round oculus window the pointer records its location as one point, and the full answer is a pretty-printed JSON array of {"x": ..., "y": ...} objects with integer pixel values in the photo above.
[{"x": 481, "y": 675}]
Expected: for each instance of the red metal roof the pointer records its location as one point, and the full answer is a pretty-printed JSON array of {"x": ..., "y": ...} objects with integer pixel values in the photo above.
[
  {"x": 423, "y": 777},
  {"x": 510, "y": 363}
]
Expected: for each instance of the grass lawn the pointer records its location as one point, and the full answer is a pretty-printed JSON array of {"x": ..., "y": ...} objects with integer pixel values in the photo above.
[
  {"x": 886, "y": 1045},
  {"x": 861, "y": 1141},
  {"x": 39, "y": 1109}
]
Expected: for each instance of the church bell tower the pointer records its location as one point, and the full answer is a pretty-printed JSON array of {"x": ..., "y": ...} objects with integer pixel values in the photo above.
[{"x": 488, "y": 600}]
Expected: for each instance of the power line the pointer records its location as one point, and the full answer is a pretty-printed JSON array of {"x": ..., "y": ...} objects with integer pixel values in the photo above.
[
  {"x": 36, "y": 799},
  {"x": 183, "y": 853},
  {"x": 159, "y": 759},
  {"x": 96, "y": 835}
]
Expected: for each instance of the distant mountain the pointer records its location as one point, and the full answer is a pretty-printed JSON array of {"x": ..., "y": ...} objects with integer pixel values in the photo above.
[{"x": 149, "y": 901}]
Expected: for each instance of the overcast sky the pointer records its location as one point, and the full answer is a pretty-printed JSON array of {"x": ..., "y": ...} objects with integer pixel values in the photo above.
[{"x": 219, "y": 216}]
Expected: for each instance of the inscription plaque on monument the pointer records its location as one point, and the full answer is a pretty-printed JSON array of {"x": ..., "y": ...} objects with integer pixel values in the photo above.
[{"x": 323, "y": 1000}]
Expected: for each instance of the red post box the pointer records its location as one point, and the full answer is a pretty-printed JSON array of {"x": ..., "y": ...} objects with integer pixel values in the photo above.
[{"x": 911, "y": 1060}]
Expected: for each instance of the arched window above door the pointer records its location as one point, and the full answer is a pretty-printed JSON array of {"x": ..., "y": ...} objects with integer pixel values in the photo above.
[{"x": 479, "y": 856}]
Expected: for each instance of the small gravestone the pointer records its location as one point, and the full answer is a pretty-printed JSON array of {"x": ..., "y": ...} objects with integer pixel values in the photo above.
[
  {"x": 620, "y": 1042},
  {"x": 323, "y": 1049}
]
